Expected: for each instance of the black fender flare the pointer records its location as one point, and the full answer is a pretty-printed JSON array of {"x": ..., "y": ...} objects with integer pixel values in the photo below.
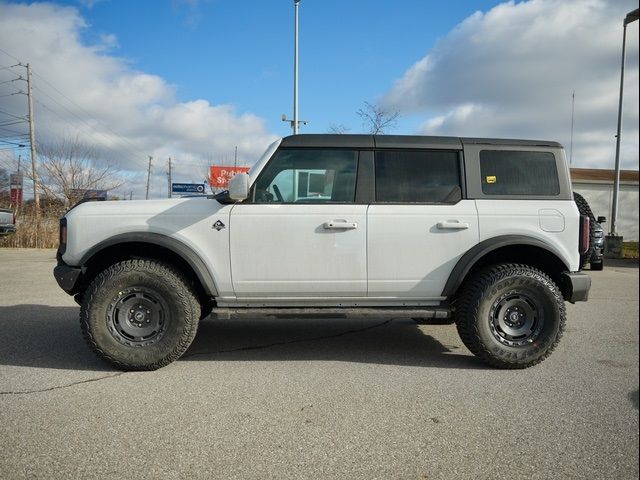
[
  {"x": 471, "y": 257},
  {"x": 176, "y": 246}
]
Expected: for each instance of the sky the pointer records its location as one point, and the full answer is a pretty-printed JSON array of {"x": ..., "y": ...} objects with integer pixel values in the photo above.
[{"x": 194, "y": 79}]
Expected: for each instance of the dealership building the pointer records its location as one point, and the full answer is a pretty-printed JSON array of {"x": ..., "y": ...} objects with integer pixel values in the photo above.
[{"x": 596, "y": 186}]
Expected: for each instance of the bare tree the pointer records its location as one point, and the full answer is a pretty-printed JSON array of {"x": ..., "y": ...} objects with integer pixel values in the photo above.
[
  {"x": 67, "y": 169},
  {"x": 338, "y": 129},
  {"x": 376, "y": 119}
]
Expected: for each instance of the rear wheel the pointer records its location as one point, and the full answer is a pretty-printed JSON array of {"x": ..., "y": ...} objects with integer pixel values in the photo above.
[
  {"x": 510, "y": 316},
  {"x": 139, "y": 315}
]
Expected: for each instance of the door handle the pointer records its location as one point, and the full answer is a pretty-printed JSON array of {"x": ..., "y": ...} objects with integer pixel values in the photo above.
[
  {"x": 452, "y": 225},
  {"x": 337, "y": 225}
]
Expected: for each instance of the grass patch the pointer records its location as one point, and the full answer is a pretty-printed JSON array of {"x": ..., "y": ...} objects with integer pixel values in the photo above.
[{"x": 629, "y": 249}]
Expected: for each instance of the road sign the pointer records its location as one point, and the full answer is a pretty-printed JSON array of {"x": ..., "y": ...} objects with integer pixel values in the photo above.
[
  {"x": 187, "y": 188},
  {"x": 219, "y": 176}
]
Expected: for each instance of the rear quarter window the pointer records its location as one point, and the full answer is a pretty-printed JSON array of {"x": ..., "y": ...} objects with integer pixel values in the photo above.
[{"x": 506, "y": 172}]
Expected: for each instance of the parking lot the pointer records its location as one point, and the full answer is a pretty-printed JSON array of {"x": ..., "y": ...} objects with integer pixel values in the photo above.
[{"x": 300, "y": 398}]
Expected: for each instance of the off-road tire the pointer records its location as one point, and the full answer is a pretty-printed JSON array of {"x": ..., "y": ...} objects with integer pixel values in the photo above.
[
  {"x": 480, "y": 309},
  {"x": 139, "y": 293},
  {"x": 597, "y": 265},
  {"x": 585, "y": 209}
]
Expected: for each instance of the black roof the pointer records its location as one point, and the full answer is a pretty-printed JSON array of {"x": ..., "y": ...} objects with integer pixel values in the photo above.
[{"x": 400, "y": 141}]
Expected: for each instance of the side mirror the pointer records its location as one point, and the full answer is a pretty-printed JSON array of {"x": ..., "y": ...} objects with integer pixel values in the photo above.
[
  {"x": 239, "y": 187},
  {"x": 601, "y": 219}
]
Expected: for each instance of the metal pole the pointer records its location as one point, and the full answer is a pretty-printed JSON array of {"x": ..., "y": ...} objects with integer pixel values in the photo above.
[
  {"x": 148, "y": 177},
  {"x": 295, "y": 68},
  {"x": 573, "y": 102},
  {"x": 616, "y": 182},
  {"x": 32, "y": 141},
  {"x": 631, "y": 17},
  {"x": 169, "y": 175}
]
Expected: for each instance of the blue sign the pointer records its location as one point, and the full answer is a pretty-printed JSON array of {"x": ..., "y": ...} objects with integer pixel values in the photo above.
[{"x": 187, "y": 188}]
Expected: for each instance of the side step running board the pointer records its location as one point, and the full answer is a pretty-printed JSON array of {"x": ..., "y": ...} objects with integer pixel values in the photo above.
[{"x": 345, "y": 312}]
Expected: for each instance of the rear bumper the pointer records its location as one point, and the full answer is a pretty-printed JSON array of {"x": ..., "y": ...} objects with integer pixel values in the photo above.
[
  {"x": 576, "y": 286},
  {"x": 66, "y": 276}
]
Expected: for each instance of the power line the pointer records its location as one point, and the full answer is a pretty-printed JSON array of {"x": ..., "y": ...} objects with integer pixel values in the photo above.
[
  {"x": 12, "y": 122},
  {"x": 12, "y": 94},
  {"x": 132, "y": 148},
  {"x": 13, "y": 131},
  {"x": 79, "y": 108},
  {"x": 14, "y": 143},
  {"x": 14, "y": 116},
  {"x": 12, "y": 80},
  {"x": 9, "y": 55},
  {"x": 75, "y": 126},
  {"x": 10, "y": 66}
]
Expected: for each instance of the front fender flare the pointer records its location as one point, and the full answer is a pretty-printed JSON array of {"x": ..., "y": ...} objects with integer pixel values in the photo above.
[{"x": 176, "y": 246}]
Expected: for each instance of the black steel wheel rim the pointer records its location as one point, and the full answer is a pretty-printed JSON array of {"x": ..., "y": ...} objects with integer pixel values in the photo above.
[
  {"x": 516, "y": 318},
  {"x": 137, "y": 317}
]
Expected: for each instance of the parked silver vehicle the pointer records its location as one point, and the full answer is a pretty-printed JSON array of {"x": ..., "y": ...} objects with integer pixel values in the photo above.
[{"x": 7, "y": 221}]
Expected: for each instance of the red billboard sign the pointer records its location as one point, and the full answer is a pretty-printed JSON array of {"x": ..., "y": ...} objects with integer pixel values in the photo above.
[
  {"x": 16, "y": 196},
  {"x": 219, "y": 176}
]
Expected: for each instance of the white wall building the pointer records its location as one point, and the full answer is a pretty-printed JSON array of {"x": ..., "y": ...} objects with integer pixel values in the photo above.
[{"x": 596, "y": 186}]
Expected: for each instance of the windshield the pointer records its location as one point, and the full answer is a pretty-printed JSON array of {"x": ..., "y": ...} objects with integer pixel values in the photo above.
[{"x": 257, "y": 167}]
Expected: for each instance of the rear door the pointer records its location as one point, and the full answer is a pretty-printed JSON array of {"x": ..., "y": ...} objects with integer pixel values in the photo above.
[{"x": 419, "y": 225}]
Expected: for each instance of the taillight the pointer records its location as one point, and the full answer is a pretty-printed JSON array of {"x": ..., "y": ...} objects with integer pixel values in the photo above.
[
  {"x": 63, "y": 235},
  {"x": 585, "y": 223}
]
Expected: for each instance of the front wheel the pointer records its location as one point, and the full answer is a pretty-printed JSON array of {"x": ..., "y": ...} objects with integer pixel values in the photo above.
[
  {"x": 139, "y": 315},
  {"x": 510, "y": 315}
]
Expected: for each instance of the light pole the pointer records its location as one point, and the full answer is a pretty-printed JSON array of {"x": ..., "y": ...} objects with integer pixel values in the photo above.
[
  {"x": 295, "y": 68},
  {"x": 613, "y": 239},
  {"x": 295, "y": 123}
]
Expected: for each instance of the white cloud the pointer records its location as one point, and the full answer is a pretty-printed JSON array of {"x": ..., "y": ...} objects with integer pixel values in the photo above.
[
  {"x": 510, "y": 72},
  {"x": 124, "y": 113}
]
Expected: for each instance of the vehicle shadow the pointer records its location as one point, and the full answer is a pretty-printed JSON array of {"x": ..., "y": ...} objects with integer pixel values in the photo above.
[
  {"x": 45, "y": 337},
  {"x": 49, "y": 337},
  {"x": 374, "y": 341}
]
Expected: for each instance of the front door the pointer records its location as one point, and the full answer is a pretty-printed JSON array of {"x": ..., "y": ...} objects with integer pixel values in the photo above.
[{"x": 300, "y": 236}]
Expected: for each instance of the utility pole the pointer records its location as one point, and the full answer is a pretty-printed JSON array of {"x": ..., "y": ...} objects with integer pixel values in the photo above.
[
  {"x": 169, "y": 178},
  {"x": 235, "y": 158},
  {"x": 32, "y": 140},
  {"x": 148, "y": 177}
]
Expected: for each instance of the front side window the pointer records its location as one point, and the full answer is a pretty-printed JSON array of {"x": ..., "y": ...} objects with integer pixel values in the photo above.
[
  {"x": 308, "y": 176},
  {"x": 406, "y": 176},
  {"x": 508, "y": 172}
]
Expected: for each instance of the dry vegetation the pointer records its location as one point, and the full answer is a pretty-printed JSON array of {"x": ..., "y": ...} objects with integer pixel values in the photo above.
[{"x": 29, "y": 234}]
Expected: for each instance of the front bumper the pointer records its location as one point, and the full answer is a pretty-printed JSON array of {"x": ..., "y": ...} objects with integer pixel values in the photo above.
[
  {"x": 7, "y": 229},
  {"x": 576, "y": 286},
  {"x": 66, "y": 276}
]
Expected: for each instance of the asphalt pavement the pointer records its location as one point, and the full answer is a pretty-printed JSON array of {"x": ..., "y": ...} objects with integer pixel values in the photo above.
[{"x": 299, "y": 398}]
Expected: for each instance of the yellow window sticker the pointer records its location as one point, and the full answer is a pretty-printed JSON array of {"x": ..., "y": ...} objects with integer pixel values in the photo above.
[{"x": 491, "y": 179}]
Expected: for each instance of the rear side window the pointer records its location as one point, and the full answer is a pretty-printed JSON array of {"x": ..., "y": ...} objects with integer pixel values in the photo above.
[
  {"x": 404, "y": 176},
  {"x": 507, "y": 172}
]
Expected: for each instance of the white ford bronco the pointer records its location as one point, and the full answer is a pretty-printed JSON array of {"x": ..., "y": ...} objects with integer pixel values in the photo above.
[{"x": 484, "y": 231}]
